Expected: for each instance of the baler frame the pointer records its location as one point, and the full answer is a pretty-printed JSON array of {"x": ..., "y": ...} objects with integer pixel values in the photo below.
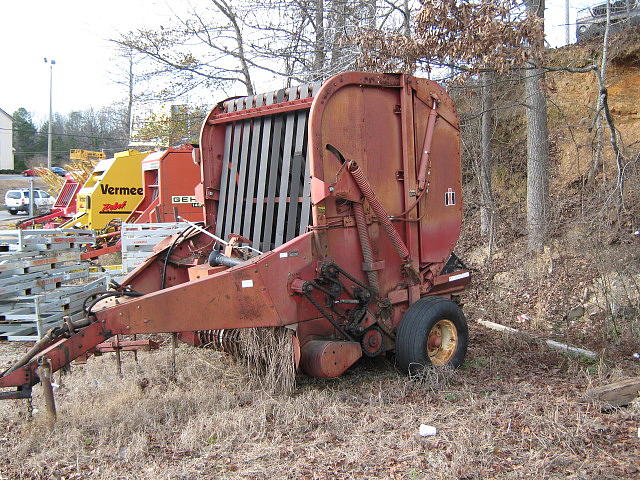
[{"x": 350, "y": 199}]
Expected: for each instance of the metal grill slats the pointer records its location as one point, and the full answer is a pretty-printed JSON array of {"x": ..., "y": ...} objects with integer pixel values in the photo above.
[
  {"x": 262, "y": 179},
  {"x": 223, "y": 179},
  {"x": 66, "y": 195},
  {"x": 233, "y": 171},
  {"x": 265, "y": 172},
  {"x": 274, "y": 160},
  {"x": 251, "y": 176}
]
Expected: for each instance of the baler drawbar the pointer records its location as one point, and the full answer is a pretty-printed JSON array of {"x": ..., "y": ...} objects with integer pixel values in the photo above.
[{"x": 330, "y": 209}]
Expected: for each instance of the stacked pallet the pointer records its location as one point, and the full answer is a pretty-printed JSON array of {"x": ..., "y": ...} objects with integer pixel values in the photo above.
[
  {"x": 42, "y": 279},
  {"x": 138, "y": 240}
]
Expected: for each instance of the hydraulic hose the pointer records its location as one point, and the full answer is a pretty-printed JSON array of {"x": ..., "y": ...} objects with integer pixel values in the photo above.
[{"x": 216, "y": 259}]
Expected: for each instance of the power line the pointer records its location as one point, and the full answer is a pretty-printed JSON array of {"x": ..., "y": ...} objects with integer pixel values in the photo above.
[{"x": 66, "y": 135}]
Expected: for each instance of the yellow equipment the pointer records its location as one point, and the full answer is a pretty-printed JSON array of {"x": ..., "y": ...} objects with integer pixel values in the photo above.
[
  {"x": 79, "y": 154},
  {"x": 112, "y": 191}
]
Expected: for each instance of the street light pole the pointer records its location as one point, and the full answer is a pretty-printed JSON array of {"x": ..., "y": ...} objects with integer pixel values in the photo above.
[
  {"x": 566, "y": 21},
  {"x": 50, "y": 134}
]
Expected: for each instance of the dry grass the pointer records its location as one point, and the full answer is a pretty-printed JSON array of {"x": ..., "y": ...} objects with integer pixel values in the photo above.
[{"x": 510, "y": 412}]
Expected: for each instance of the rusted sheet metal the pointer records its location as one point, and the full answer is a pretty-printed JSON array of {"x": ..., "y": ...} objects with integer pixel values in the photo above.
[
  {"x": 169, "y": 178},
  {"x": 328, "y": 359},
  {"x": 60, "y": 353},
  {"x": 261, "y": 111},
  {"x": 243, "y": 296}
]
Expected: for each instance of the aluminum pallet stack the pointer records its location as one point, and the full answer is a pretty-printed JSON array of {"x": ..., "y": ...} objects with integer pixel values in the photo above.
[
  {"x": 42, "y": 279},
  {"x": 139, "y": 239}
]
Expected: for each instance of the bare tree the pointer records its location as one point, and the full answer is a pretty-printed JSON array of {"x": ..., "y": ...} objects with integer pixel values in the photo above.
[
  {"x": 219, "y": 60},
  {"x": 537, "y": 143},
  {"x": 486, "y": 155},
  {"x": 132, "y": 75}
]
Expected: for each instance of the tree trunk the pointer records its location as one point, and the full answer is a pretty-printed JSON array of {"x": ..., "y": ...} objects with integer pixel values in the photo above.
[
  {"x": 537, "y": 159},
  {"x": 340, "y": 21},
  {"x": 537, "y": 147},
  {"x": 131, "y": 85},
  {"x": 486, "y": 160},
  {"x": 319, "y": 53},
  {"x": 407, "y": 18}
]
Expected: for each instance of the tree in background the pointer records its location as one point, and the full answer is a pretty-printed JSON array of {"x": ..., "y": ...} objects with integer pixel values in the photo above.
[
  {"x": 25, "y": 138},
  {"x": 130, "y": 72},
  {"x": 100, "y": 130},
  {"x": 180, "y": 125},
  {"x": 221, "y": 44},
  {"x": 535, "y": 102}
]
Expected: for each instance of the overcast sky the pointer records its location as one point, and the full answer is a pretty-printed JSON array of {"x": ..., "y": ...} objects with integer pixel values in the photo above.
[{"x": 75, "y": 33}]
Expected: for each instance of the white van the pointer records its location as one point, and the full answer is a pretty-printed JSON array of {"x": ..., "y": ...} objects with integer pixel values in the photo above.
[{"x": 17, "y": 200}]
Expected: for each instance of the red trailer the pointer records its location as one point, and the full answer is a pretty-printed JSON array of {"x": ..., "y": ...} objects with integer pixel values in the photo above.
[
  {"x": 331, "y": 209},
  {"x": 170, "y": 177}
]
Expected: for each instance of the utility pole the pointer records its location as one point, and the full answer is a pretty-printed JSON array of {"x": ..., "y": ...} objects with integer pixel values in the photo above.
[
  {"x": 566, "y": 21},
  {"x": 50, "y": 135}
]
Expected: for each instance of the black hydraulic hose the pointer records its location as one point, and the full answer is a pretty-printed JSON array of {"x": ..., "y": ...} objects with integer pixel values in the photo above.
[
  {"x": 183, "y": 233},
  {"x": 216, "y": 259}
]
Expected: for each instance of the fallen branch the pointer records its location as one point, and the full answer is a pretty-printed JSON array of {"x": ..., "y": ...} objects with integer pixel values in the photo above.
[
  {"x": 615, "y": 394},
  {"x": 562, "y": 347}
]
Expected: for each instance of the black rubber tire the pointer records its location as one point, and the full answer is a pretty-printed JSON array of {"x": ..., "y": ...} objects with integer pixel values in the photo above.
[
  {"x": 413, "y": 332},
  {"x": 13, "y": 212}
]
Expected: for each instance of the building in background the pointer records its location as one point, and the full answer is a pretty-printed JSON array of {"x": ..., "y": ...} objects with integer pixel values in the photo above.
[{"x": 6, "y": 141}]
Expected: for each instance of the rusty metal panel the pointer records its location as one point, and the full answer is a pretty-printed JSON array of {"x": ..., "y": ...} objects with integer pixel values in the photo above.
[
  {"x": 441, "y": 220},
  {"x": 240, "y": 297}
]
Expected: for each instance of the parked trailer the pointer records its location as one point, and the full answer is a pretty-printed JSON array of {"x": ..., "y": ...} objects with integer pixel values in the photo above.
[
  {"x": 351, "y": 191},
  {"x": 169, "y": 179},
  {"x": 110, "y": 192}
]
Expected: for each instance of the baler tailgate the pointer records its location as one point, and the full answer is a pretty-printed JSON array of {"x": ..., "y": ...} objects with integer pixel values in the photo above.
[{"x": 263, "y": 186}]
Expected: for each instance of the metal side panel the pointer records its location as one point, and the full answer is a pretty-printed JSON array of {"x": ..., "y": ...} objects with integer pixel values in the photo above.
[
  {"x": 251, "y": 173},
  {"x": 274, "y": 166},
  {"x": 223, "y": 180},
  {"x": 262, "y": 176}
]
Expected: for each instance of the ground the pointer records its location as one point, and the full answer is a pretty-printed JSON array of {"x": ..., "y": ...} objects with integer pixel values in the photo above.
[{"x": 514, "y": 410}]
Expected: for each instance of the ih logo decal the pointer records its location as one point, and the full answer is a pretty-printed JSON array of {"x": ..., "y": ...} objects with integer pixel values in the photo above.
[{"x": 449, "y": 197}]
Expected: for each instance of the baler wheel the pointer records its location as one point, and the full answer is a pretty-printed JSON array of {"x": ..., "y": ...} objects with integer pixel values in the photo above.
[{"x": 433, "y": 331}]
